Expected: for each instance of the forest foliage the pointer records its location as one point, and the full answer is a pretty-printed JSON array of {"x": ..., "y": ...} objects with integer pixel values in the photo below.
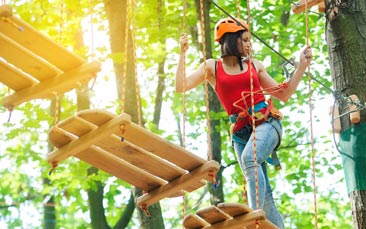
[{"x": 24, "y": 144}]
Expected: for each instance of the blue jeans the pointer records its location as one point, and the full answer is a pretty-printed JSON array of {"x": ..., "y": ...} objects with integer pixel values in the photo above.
[{"x": 268, "y": 136}]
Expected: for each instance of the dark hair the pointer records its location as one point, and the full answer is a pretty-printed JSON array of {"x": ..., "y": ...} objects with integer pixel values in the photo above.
[{"x": 229, "y": 45}]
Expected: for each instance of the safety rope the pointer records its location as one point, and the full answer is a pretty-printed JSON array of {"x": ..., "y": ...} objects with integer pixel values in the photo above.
[
  {"x": 61, "y": 25},
  {"x": 184, "y": 99},
  {"x": 270, "y": 47},
  {"x": 91, "y": 6},
  {"x": 244, "y": 94},
  {"x": 57, "y": 97},
  {"x": 206, "y": 80},
  {"x": 124, "y": 71},
  {"x": 57, "y": 108},
  {"x": 91, "y": 28},
  {"x": 252, "y": 116},
  {"x": 245, "y": 198},
  {"x": 184, "y": 77},
  {"x": 137, "y": 88},
  {"x": 311, "y": 118},
  {"x": 238, "y": 8}
]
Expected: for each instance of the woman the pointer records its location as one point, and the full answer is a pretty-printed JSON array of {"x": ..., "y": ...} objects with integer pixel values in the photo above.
[{"x": 235, "y": 80}]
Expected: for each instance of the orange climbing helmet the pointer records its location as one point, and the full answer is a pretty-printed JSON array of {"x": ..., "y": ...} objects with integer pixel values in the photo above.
[{"x": 229, "y": 25}]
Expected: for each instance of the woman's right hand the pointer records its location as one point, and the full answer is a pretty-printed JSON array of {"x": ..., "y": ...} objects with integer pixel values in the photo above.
[{"x": 183, "y": 43}]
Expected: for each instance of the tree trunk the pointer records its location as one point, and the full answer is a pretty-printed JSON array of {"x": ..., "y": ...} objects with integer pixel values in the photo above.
[
  {"x": 116, "y": 15},
  {"x": 159, "y": 93},
  {"x": 346, "y": 39},
  {"x": 95, "y": 199},
  {"x": 49, "y": 210},
  {"x": 161, "y": 74},
  {"x": 217, "y": 194},
  {"x": 96, "y": 194},
  {"x": 127, "y": 214},
  {"x": 152, "y": 218}
]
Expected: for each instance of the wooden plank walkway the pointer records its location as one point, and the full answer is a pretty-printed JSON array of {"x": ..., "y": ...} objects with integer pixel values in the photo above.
[
  {"x": 35, "y": 67},
  {"x": 227, "y": 215},
  {"x": 131, "y": 153}
]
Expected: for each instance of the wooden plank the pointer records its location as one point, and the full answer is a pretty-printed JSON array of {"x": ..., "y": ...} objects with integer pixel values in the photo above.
[
  {"x": 119, "y": 168},
  {"x": 234, "y": 209},
  {"x": 27, "y": 61},
  {"x": 40, "y": 44},
  {"x": 5, "y": 11},
  {"x": 140, "y": 158},
  {"x": 194, "y": 185},
  {"x": 212, "y": 215},
  {"x": 245, "y": 221},
  {"x": 222, "y": 217},
  {"x": 178, "y": 184},
  {"x": 78, "y": 126},
  {"x": 193, "y": 221},
  {"x": 161, "y": 147},
  {"x": 73, "y": 125},
  {"x": 14, "y": 78},
  {"x": 59, "y": 84},
  {"x": 98, "y": 117},
  {"x": 265, "y": 224},
  {"x": 59, "y": 137},
  {"x": 90, "y": 136},
  {"x": 300, "y": 5},
  {"x": 321, "y": 7},
  {"x": 86, "y": 140}
]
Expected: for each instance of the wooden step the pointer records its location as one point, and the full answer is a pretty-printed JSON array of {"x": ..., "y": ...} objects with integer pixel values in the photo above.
[
  {"x": 35, "y": 67},
  {"x": 227, "y": 215},
  {"x": 299, "y": 7},
  {"x": 125, "y": 150}
]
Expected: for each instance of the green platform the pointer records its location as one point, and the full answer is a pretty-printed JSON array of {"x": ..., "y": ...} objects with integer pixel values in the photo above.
[{"x": 353, "y": 150}]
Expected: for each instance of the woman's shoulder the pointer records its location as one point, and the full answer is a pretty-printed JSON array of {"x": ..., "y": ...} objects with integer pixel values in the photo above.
[
  {"x": 211, "y": 61},
  {"x": 258, "y": 64}
]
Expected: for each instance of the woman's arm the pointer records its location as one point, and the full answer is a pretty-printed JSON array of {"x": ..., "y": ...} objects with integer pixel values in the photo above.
[
  {"x": 197, "y": 76},
  {"x": 268, "y": 82}
]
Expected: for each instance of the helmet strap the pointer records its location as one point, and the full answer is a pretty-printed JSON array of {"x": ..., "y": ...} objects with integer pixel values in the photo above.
[{"x": 240, "y": 63}]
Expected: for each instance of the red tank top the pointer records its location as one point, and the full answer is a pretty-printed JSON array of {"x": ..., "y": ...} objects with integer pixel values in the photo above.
[{"x": 236, "y": 89}]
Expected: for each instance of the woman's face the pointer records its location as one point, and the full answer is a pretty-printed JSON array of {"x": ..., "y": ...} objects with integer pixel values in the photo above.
[{"x": 244, "y": 44}]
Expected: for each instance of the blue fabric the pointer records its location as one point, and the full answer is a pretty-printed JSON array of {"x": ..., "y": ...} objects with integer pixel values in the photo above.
[
  {"x": 257, "y": 107},
  {"x": 268, "y": 136}
]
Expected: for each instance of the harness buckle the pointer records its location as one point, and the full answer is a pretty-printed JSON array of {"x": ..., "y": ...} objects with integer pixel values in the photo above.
[{"x": 275, "y": 113}]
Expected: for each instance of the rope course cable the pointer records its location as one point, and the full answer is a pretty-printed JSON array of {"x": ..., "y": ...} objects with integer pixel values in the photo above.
[
  {"x": 238, "y": 8},
  {"x": 184, "y": 99},
  {"x": 311, "y": 119},
  {"x": 91, "y": 6},
  {"x": 139, "y": 115},
  {"x": 245, "y": 199},
  {"x": 338, "y": 95},
  {"x": 124, "y": 71},
  {"x": 252, "y": 107},
  {"x": 289, "y": 61},
  {"x": 184, "y": 78},
  {"x": 57, "y": 97}
]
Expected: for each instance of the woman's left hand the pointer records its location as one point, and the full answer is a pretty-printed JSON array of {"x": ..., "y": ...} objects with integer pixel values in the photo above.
[{"x": 306, "y": 56}]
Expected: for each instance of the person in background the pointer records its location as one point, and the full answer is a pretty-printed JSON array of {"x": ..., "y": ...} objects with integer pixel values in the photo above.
[{"x": 239, "y": 81}]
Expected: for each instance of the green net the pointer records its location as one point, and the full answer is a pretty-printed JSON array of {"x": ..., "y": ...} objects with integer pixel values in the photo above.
[{"x": 353, "y": 151}]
